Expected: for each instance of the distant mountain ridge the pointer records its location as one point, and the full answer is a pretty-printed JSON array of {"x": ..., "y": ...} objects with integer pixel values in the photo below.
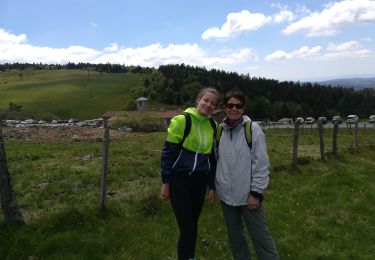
[{"x": 356, "y": 83}]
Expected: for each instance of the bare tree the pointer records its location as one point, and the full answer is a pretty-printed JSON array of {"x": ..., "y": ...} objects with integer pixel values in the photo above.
[{"x": 9, "y": 206}]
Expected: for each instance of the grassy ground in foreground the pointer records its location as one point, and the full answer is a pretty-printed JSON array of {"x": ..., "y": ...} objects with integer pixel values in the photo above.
[{"x": 322, "y": 210}]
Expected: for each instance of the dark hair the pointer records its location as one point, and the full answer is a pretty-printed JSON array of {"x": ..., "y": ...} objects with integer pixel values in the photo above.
[{"x": 234, "y": 94}]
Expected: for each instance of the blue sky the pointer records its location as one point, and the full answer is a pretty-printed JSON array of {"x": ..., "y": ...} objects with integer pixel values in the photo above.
[{"x": 284, "y": 40}]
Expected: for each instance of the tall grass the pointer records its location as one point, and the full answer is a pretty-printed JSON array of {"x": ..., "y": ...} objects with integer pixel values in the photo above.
[{"x": 322, "y": 210}]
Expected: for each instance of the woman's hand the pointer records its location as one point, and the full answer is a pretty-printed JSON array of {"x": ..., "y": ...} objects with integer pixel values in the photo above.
[
  {"x": 253, "y": 202},
  {"x": 211, "y": 196},
  {"x": 164, "y": 193}
]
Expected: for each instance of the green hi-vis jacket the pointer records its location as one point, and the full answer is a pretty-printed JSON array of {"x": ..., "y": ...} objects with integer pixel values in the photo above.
[{"x": 195, "y": 155}]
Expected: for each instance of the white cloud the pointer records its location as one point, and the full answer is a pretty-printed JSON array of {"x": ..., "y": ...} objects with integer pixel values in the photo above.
[
  {"x": 306, "y": 52},
  {"x": 333, "y": 17},
  {"x": 6, "y": 37},
  {"x": 13, "y": 49},
  {"x": 278, "y": 55},
  {"x": 302, "y": 10},
  {"x": 332, "y": 51},
  {"x": 237, "y": 22},
  {"x": 247, "y": 21},
  {"x": 283, "y": 15},
  {"x": 344, "y": 50},
  {"x": 155, "y": 55},
  {"x": 346, "y": 46},
  {"x": 112, "y": 47},
  {"x": 235, "y": 57},
  {"x": 303, "y": 52},
  {"x": 29, "y": 54}
]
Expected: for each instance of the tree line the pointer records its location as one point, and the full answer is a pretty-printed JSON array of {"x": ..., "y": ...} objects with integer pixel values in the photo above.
[
  {"x": 179, "y": 84},
  {"x": 266, "y": 98}
]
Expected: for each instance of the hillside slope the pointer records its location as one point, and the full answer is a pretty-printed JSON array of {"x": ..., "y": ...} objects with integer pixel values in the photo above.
[{"x": 67, "y": 93}]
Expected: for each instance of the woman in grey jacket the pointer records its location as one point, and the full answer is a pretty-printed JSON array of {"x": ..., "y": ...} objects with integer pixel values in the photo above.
[{"x": 241, "y": 176}]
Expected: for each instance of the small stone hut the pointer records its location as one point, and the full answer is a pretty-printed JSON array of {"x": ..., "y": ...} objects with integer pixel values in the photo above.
[{"x": 142, "y": 104}]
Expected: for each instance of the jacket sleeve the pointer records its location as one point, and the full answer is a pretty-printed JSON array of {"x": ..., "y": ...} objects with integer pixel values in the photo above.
[
  {"x": 260, "y": 163},
  {"x": 171, "y": 146},
  {"x": 168, "y": 156}
]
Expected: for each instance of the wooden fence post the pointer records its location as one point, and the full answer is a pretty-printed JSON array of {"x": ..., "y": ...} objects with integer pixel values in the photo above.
[
  {"x": 295, "y": 144},
  {"x": 103, "y": 184},
  {"x": 321, "y": 138},
  {"x": 9, "y": 205},
  {"x": 356, "y": 135},
  {"x": 334, "y": 139}
]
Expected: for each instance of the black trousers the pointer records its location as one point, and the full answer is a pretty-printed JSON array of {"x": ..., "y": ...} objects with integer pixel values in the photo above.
[{"x": 187, "y": 194}]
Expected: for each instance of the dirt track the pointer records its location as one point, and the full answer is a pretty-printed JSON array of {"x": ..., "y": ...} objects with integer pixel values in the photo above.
[{"x": 35, "y": 134}]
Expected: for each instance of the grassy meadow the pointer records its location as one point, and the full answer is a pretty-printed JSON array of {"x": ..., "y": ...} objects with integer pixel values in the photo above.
[
  {"x": 321, "y": 210},
  {"x": 64, "y": 94}
]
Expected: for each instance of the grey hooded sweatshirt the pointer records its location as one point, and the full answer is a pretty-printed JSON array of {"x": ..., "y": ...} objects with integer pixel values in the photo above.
[{"x": 240, "y": 171}]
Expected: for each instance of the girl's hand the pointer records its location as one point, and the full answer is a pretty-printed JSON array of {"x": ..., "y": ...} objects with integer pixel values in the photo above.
[
  {"x": 164, "y": 193},
  {"x": 211, "y": 196}
]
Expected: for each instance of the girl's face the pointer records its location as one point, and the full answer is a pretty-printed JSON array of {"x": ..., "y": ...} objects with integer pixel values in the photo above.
[
  {"x": 234, "y": 109},
  {"x": 207, "y": 103}
]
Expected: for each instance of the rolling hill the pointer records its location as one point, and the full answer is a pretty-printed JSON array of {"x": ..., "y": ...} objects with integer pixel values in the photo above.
[
  {"x": 356, "y": 83},
  {"x": 86, "y": 91},
  {"x": 67, "y": 93}
]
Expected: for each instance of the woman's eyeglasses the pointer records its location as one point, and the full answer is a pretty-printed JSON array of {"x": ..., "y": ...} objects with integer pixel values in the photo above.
[{"x": 231, "y": 105}]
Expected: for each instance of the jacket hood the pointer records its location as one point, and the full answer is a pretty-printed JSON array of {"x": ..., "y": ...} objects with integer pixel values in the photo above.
[
  {"x": 193, "y": 112},
  {"x": 243, "y": 121}
]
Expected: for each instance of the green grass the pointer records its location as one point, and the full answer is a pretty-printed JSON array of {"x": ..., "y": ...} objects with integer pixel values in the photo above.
[
  {"x": 67, "y": 93},
  {"x": 321, "y": 210}
]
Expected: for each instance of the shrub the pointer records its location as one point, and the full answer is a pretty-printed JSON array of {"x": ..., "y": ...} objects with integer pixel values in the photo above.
[{"x": 130, "y": 106}]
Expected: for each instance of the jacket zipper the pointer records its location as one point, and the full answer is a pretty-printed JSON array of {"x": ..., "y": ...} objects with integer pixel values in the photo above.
[
  {"x": 178, "y": 158},
  {"x": 209, "y": 165},
  {"x": 200, "y": 141}
]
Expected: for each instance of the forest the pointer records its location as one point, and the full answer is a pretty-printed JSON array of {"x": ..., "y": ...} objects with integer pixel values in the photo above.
[{"x": 178, "y": 84}]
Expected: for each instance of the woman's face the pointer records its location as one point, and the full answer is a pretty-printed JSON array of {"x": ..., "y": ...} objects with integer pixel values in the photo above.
[
  {"x": 234, "y": 109},
  {"x": 207, "y": 103}
]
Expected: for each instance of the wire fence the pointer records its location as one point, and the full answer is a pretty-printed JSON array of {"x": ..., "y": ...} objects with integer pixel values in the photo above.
[{"x": 323, "y": 135}]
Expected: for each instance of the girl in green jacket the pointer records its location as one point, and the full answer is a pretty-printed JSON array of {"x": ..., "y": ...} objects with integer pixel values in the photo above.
[{"x": 188, "y": 167}]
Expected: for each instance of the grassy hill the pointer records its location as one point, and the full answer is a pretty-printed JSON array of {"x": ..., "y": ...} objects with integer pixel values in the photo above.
[{"x": 66, "y": 93}]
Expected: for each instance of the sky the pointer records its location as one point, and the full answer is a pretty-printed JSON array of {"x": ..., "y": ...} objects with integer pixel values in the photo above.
[{"x": 283, "y": 40}]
